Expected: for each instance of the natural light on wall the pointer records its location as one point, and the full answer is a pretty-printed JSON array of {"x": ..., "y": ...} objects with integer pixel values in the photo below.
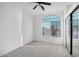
[{"x": 51, "y": 26}]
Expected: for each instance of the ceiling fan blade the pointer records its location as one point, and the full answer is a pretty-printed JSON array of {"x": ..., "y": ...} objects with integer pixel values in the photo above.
[
  {"x": 42, "y": 7},
  {"x": 35, "y": 6},
  {"x": 45, "y": 3}
]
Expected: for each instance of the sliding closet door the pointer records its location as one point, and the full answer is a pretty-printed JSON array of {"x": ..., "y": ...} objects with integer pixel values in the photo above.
[{"x": 75, "y": 36}]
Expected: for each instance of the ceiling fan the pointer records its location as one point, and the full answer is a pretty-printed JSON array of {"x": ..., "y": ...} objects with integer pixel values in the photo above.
[{"x": 41, "y": 5}]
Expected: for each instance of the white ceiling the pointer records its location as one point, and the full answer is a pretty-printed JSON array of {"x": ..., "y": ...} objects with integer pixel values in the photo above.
[{"x": 55, "y": 7}]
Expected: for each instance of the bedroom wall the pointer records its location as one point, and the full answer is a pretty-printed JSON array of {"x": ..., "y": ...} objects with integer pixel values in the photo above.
[
  {"x": 27, "y": 28},
  {"x": 10, "y": 26},
  {"x": 38, "y": 29}
]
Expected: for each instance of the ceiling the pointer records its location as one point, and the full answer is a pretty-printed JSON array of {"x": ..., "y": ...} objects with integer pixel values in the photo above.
[{"x": 55, "y": 7}]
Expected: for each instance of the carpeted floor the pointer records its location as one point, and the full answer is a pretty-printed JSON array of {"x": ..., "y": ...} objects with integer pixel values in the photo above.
[{"x": 39, "y": 49}]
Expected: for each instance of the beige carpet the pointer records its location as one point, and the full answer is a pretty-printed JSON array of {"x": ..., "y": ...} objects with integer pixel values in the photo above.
[{"x": 39, "y": 49}]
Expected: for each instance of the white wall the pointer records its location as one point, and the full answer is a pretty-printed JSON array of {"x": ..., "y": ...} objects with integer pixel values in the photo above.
[
  {"x": 10, "y": 26},
  {"x": 38, "y": 29},
  {"x": 27, "y": 28}
]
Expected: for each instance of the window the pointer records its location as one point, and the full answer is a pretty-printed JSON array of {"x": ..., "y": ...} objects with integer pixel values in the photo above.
[{"x": 51, "y": 26}]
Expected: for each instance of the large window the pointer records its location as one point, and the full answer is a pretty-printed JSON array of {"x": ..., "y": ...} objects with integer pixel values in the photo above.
[{"x": 51, "y": 26}]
